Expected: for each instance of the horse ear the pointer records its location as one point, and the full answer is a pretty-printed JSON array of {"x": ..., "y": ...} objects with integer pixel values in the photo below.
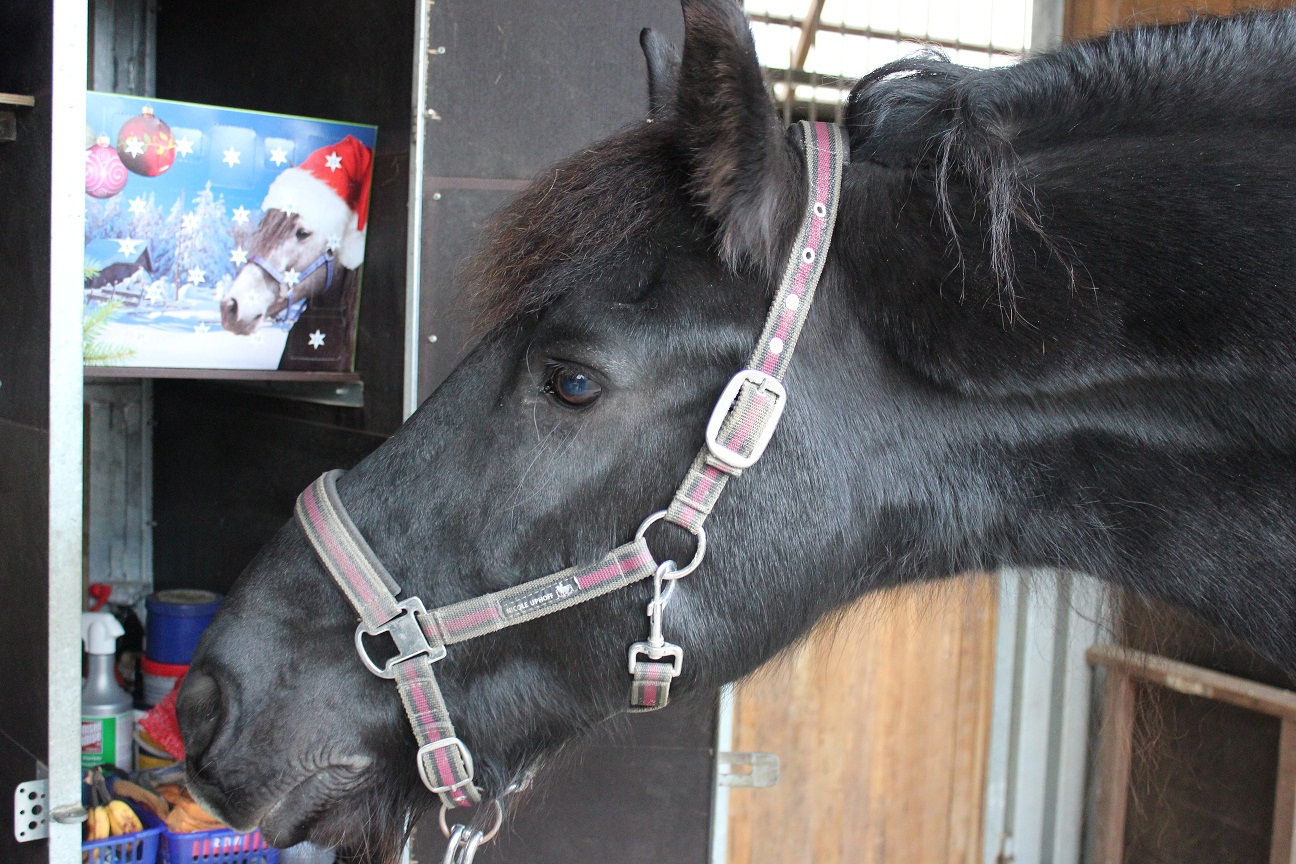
[
  {"x": 663, "y": 70},
  {"x": 745, "y": 169}
]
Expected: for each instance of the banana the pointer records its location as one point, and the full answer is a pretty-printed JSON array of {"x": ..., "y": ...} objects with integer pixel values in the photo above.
[
  {"x": 122, "y": 819},
  {"x": 141, "y": 796},
  {"x": 97, "y": 824}
]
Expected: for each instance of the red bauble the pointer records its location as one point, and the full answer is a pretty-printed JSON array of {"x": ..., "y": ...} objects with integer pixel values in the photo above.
[
  {"x": 146, "y": 145},
  {"x": 105, "y": 175}
]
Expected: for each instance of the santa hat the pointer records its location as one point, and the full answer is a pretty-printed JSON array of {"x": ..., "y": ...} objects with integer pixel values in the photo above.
[{"x": 329, "y": 192}]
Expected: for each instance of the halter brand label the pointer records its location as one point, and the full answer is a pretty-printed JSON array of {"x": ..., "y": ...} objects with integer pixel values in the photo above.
[{"x": 541, "y": 597}]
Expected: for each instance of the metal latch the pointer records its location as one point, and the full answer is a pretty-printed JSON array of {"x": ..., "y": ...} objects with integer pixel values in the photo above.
[{"x": 747, "y": 770}]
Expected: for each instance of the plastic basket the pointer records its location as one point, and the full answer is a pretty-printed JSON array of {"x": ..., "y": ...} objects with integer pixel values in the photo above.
[
  {"x": 141, "y": 847},
  {"x": 218, "y": 846}
]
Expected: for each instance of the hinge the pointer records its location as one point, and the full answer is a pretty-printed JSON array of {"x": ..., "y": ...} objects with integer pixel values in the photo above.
[
  {"x": 748, "y": 770},
  {"x": 31, "y": 811}
]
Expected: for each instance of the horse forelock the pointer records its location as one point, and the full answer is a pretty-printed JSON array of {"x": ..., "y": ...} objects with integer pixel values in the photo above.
[
  {"x": 275, "y": 227},
  {"x": 603, "y": 196}
]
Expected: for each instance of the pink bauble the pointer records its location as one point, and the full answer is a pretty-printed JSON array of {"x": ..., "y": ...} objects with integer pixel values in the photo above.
[{"x": 105, "y": 175}]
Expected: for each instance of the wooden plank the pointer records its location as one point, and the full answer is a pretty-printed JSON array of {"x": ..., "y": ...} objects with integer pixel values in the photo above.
[
  {"x": 1113, "y": 768},
  {"x": 1195, "y": 680},
  {"x": 881, "y": 722},
  {"x": 1282, "y": 848}
]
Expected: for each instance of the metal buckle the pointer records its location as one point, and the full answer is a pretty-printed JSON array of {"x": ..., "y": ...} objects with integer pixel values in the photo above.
[
  {"x": 408, "y": 635},
  {"x": 765, "y": 382},
  {"x": 444, "y": 744},
  {"x": 657, "y": 652}
]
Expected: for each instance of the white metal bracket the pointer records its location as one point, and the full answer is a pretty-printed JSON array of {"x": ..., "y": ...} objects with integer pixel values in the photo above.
[
  {"x": 750, "y": 770},
  {"x": 31, "y": 811}
]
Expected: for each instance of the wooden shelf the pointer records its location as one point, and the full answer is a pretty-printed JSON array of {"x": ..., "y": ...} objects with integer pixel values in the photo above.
[{"x": 101, "y": 372}]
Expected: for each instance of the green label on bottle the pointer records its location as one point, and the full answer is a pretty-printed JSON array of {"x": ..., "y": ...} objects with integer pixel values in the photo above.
[{"x": 106, "y": 740}]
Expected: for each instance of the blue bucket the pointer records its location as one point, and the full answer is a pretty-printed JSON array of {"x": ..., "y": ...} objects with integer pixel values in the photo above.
[{"x": 176, "y": 619}]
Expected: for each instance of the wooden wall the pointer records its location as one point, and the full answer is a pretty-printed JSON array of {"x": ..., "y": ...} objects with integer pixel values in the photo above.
[
  {"x": 881, "y": 722},
  {"x": 1092, "y": 17}
]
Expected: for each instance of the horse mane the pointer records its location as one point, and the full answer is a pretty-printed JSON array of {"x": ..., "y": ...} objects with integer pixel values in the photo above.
[{"x": 985, "y": 129}]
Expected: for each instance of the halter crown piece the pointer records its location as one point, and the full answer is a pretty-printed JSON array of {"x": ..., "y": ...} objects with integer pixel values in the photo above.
[{"x": 741, "y": 425}]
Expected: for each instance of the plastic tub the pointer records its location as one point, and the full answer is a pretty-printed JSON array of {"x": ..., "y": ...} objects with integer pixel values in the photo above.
[
  {"x": 176, "y": 620},
  {"x": 218, "y": 846},
  {"x": 141, "y": 847},
  {"x": 160, "y": 679}
]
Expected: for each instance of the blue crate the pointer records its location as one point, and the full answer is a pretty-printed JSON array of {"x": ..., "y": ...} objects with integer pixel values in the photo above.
[
  {"x": 218, "y": 846},
  {"x": 140, "y": 847}
]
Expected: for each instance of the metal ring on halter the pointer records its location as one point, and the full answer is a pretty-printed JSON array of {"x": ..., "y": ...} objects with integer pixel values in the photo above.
[
  {"x": 485, "y": 838},
  {"x": 698, "y": 532}
]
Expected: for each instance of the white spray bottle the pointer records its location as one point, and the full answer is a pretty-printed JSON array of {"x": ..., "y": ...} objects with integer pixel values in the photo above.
[{"x": 107, "y": 721}]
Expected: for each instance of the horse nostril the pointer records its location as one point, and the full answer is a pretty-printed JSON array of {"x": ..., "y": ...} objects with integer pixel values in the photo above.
[
  {"x": 229, "y": 307},
  {"x": 202, "y": 709}
]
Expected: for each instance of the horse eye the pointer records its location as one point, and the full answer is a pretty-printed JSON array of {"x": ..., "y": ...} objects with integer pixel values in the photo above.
[
  {"x": 302, "y": 233},
  {"x": 572, "y": 387}
]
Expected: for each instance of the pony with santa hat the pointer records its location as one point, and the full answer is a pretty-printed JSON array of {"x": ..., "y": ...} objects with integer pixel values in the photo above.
[{"x": 302, "y": 265}]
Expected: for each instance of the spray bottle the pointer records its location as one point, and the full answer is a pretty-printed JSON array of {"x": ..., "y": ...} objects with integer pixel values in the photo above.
[{"x": 107, "y": 721}]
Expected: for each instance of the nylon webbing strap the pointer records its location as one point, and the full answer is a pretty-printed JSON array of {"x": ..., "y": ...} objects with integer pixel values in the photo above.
[
  {"x": 461, "y": 621},
  {"x": 755, "y": 403},
  {"x": 754, "y": 400},
  {"x": 444, "y": 762}
]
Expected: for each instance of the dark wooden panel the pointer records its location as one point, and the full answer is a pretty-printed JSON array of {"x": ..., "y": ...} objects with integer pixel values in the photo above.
[
  {"x": 521, "y": 85},
  {"x": 227, "y": 469},
  {"x": 334, "y": 59},
  {"x": 25, "y": 68},
  {"x": 1085, "y": 18},
  {"x": 636, "y": 793}
]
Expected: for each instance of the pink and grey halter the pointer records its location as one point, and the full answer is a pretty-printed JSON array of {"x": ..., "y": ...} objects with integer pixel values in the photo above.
[{"x": 741, "y": 425}]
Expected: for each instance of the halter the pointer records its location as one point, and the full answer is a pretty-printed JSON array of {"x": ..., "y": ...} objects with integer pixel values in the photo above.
[
  {"x": 741, "y": 425},
  {"x": 293, "y": 311}
]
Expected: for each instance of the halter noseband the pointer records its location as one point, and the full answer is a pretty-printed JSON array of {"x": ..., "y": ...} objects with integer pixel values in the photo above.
[
  {"x": 741, "y": 425},
  {"x": 288, "y": 281}
]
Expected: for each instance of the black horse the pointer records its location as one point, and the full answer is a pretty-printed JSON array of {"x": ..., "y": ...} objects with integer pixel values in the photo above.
[{"x": 1055, "y": 330}]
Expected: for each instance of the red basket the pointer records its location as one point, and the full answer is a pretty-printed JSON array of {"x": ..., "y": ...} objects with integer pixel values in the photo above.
[{"x": 218, "y": 846}]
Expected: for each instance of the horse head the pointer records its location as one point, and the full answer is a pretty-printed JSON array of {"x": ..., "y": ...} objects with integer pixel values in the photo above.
[
  {"x": 313, "y": 229},
  {"x": 288, "y": 263},
  {"x": 997, "y": 371}
]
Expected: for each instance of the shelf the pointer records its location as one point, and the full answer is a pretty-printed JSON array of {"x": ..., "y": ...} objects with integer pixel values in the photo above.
[
  {"x": 95, "y": 372},
  {"x": 18, "y": 100},
  {"x": 343, "y": 389}
]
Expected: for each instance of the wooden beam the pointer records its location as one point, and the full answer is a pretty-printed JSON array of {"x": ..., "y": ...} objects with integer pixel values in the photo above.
[
  {"x": 1282, "y": 848},
  {"x": 1113, "y": 768},
  {"x": 1195, "y": 681},
  {"x": 809, "y": 27}
]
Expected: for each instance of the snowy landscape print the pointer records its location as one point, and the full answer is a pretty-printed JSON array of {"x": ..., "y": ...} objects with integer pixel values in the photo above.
[{"x": 174, "y": 196}]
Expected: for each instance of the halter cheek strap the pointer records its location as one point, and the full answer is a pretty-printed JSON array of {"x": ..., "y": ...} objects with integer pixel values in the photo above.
[
  {"x": 289, "y": 280},
  {"x": 740, "y": 427}
]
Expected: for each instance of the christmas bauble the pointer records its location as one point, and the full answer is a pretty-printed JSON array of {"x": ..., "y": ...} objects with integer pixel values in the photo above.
[
  {"x": 105, "y": 175},
  {"x": 146, "y": 145}
]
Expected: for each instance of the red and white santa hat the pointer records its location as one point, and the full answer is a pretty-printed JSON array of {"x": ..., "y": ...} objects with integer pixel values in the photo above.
[{"x": 329, "y": 192}]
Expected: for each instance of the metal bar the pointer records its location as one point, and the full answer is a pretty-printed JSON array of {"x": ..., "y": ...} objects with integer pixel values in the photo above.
[
  {"x": 895, "y": 35},
  {"x": 809, "y": 29},
  {"x": 414, "y": 231},
  {"x": 67, "y": 230},
  {"x": 719, "y": 792}
]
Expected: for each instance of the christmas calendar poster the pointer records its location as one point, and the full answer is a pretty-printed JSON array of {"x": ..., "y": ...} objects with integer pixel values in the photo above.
[{"x": 222, "y": 239}]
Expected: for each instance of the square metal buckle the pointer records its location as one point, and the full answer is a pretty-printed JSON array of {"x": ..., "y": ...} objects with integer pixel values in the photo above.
[
  {"x": 657, "y": 652},
  {"x": 765, "y": 382},
  {"x": 408, "y": 635},
  {"x": 445, "y": 744}
]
